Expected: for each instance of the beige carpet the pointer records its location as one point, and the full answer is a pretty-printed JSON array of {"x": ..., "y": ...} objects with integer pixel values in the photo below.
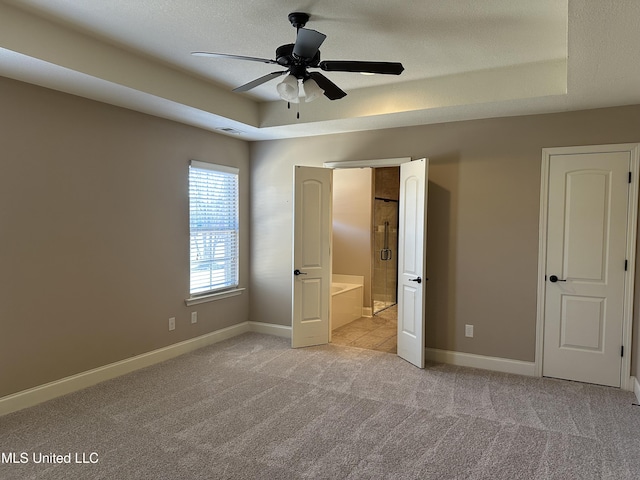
[{"x": 253, "y": 408}]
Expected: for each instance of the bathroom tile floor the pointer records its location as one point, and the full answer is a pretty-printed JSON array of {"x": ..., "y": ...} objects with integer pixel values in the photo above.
[{"x": 373, "y": 333}]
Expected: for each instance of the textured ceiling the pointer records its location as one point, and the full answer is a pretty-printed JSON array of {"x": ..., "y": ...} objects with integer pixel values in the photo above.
[
  {"x": 463, "y": 59},
  {"x": 431, "y": 38}
]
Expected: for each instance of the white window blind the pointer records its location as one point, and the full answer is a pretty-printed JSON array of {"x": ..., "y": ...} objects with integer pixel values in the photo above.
[{"x": 213, "y": 225}]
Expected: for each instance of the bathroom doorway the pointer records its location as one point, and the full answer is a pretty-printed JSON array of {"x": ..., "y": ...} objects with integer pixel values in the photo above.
[
  {"x": 365, "y": 246},
  {"x": 313, "y": 288}
]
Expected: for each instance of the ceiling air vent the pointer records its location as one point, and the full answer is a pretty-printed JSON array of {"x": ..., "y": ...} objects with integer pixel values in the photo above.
[{"x": 230, "y": 130}]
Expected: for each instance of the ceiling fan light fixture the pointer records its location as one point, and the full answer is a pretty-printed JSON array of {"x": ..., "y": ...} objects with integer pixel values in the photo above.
[
  {"x": 311, "y": 90},
  {"x": 288, "y": 89}
]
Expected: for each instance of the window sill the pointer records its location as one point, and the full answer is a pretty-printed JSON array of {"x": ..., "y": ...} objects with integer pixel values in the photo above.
[{"x": 212, "y": 297}]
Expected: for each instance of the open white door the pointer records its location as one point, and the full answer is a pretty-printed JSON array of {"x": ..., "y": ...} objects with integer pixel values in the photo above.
[
  {"x": 311, "y": 256},
  {"x": 412, "y": 243}
]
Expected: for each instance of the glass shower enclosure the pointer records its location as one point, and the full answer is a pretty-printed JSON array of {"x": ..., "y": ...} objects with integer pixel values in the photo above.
[{"x": 385, "y": 258}]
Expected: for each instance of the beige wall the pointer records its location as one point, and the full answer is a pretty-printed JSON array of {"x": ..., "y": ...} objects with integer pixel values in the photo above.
[
  {"x": 94, "y": 227},
  {"x": 484, "y": 197},
  {"x": 352, "y": 198},
  {"x": 94, "y": 234}
]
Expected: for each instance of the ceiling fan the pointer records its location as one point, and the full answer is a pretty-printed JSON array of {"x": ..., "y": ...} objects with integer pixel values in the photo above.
[{"x": 301, "y": 56}]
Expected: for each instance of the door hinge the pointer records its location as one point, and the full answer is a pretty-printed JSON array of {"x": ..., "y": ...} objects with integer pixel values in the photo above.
[
  {"x": 629, "y": 177},
  {"x": 626, "y": 265},
  {"x": 622, "y": 350}
]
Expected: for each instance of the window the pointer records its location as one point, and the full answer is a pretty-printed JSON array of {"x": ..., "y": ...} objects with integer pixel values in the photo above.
[{"x": 213, "y": 225}]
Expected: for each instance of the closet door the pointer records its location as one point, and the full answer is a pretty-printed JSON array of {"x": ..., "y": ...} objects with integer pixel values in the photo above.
[{"x": 587, "y": 226}]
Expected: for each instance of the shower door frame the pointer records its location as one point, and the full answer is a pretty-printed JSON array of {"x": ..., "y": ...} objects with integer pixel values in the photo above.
[{"x": 392, "y": 256}]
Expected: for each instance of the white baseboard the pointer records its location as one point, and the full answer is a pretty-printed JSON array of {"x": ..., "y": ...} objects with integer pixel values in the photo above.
[
  {"x": 49, "y": 391},
  {"x": 635, "y": 388},
  {"x": 367, "y": 311},
  {"x": 270, "y": 329},
  {"x": 497, "y": 364}
]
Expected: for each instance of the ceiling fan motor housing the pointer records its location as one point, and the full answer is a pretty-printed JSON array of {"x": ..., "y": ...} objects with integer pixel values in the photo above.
[
  {"x": 284, "y": 54},
  {"x": 286, "y": 58}
]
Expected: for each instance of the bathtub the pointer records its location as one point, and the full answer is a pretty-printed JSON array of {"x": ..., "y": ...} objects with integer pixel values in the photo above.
[{"x": 346, "y": 301}]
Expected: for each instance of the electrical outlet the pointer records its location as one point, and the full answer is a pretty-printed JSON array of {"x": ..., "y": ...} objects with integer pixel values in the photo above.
[
  {"x": 468, "y": 331},
  {"x": 172, "y": 323},
  {"x": 194, "y": 317}
]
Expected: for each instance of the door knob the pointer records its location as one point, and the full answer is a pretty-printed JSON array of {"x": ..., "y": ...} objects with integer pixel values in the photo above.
[
  {"x": 298, "y": 272},
  {"x": 554, "y": 279},
  {"x": 417, "y": 280}
]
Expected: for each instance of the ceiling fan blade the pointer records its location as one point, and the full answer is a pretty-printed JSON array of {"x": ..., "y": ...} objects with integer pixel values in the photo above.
[
  {"x": 387, "y": 68},
  {"x": 234, "y": 57},
  {"x": 308, "y": 42},
  {"x": 331, "y": 90},
  {"x": 259, "y": 81}
]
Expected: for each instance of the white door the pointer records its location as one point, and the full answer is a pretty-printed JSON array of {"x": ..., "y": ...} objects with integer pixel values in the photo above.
[
  {"x": 585, "y": 266},
  {"x": 412, "y": 239},
  {"x": 311, "y": 256}
]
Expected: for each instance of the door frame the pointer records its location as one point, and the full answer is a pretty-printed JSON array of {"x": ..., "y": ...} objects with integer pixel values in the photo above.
[
  {"x": 383, "y": 162},
  {"x": 390, "y": 162},
  {"x": 632, "y": 221},
  {"x": 374, "y": 163}
]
